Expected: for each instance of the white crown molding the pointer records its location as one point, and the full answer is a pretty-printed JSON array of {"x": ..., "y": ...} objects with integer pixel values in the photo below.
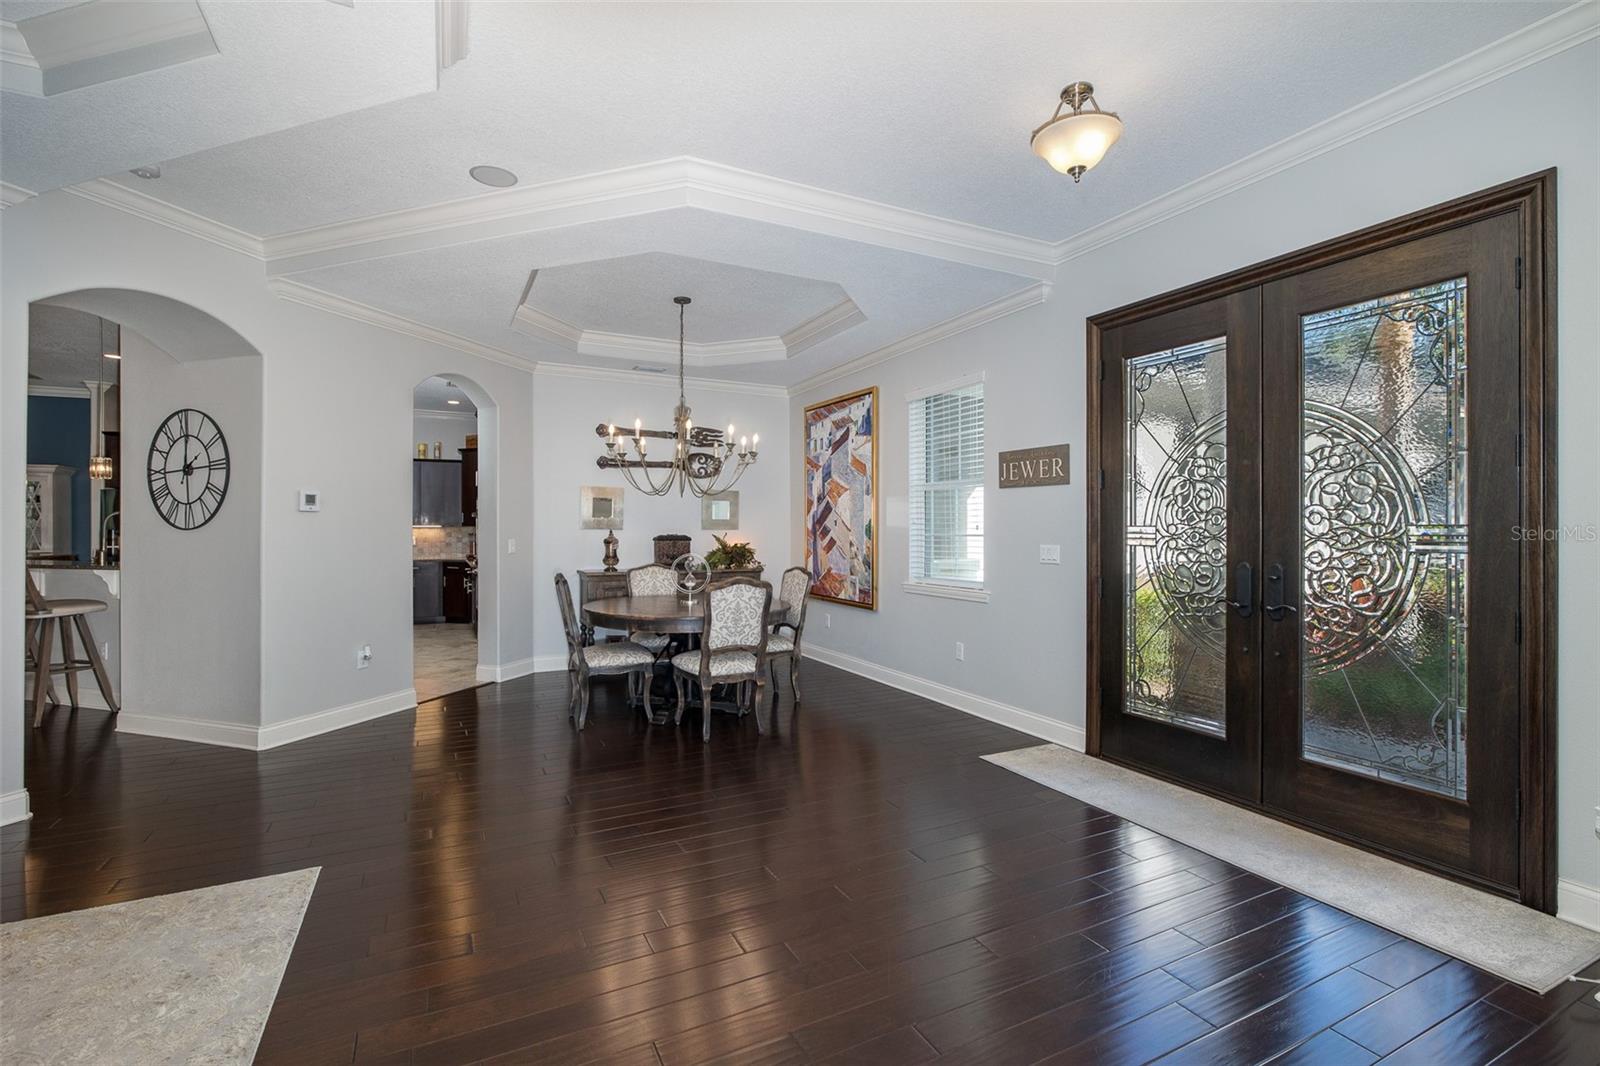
[
  {"x": 105, "y": 40},
  {"x": 295, "y": 292},
  {"x": 450, "y": 26},
  {"x": 679, "y": 182},
  {"x": 1538, "y": 41},
  {"x": 544, "y": 326},
  {"x": 65, "y": 392},
  {"x": 112, "y": 194},
  {"x": 11, "y": 195},
  {"x": 19, "y": 71},
  {"x": 612, "y": 376},
  {"x": 818, "y": 328},
  {"x": 950, "y": 327}
]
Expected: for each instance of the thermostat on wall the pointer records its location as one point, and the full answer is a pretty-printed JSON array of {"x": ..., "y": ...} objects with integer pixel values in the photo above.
[{"x": 310, "y": 500}]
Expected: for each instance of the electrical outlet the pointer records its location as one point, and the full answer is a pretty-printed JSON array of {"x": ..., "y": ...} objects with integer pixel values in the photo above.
[
  {"x": 511, "y": 546},
  {"x": 1050, "y": 554},
  {"x": 961, "y": 652},
  {"x": 105, "y": 653},
  {"x": 827, "y": 620},
  {"x": 363, "y": 656}
]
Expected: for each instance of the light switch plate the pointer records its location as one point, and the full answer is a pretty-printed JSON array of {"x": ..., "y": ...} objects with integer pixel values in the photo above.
[{"x": 1050, "y": 554}]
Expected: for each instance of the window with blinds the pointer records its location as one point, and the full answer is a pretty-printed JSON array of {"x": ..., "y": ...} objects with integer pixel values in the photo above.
[{"x": 946, "y": 485}]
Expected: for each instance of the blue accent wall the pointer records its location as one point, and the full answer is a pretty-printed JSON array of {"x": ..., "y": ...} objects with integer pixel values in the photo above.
[{"x": 58, "y": 432}]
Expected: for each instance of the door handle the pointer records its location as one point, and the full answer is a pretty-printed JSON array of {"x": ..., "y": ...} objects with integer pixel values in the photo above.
[
  {"x": 1272, "y": 599},
  {"x": 1243, "y": 590}
]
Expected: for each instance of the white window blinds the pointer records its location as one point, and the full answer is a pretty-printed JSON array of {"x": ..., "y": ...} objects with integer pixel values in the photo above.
[{"x": 946, "y": 486}]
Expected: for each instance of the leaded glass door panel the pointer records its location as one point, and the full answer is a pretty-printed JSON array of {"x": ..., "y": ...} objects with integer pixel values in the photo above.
[
  {"x": 1180, "y": 506},
  {"x": 1391, "y": 414}
]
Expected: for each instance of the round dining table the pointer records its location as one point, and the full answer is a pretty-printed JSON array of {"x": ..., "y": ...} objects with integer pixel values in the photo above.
[
  {"x": 675, "y": 615},
  {"x": 658, "y": 614}
]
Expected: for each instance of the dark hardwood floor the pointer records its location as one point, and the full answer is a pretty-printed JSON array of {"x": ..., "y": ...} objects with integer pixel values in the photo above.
[{"x": 856, "y": 887}]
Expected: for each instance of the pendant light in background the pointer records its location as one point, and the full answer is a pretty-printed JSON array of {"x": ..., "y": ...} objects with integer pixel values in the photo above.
[{"x": 100, "y": 466}]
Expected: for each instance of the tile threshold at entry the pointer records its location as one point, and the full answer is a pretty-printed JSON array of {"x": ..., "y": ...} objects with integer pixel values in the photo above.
[
  {"x": 857, "y": 883},
  {"x": 444, "y": 659}
]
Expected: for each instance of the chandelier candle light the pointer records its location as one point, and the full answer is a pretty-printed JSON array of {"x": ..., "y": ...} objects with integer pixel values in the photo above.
[
  {"x": 100, "y": 466},
  {"x": 704, "y": 461}
]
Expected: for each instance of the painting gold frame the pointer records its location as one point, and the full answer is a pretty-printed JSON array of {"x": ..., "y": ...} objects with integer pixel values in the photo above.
[{"x": 871, "y": 393}]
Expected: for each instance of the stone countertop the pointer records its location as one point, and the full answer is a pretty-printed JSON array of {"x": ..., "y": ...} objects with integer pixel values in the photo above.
[{"x": 68, "y": 564}]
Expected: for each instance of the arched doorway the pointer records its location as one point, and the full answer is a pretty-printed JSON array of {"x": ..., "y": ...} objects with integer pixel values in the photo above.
[
  {"x": 452, "y": 507},
  {"x": 182, "y": 584}
]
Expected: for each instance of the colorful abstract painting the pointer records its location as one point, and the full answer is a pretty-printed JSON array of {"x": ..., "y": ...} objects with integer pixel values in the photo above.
[{"x": 841, "y": 512}]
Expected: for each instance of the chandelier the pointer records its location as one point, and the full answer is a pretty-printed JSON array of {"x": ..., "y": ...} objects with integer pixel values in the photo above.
[
  {"x": 702, "y": 461},
  {"x": 1074, "y": 143}
]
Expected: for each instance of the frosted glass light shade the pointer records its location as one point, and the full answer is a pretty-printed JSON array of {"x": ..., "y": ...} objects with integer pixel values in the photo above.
[{"x": 1075, "y": 143}]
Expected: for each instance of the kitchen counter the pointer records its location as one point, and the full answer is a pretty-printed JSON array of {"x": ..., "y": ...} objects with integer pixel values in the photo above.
[{"x": 70, "y": 564}]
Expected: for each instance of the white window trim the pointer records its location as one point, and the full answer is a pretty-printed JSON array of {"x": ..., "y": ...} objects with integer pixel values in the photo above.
[
  {"x": 952, "y": 589},
  {"x": 975, "y": 378},
  {"x": 969, "y": 593}
]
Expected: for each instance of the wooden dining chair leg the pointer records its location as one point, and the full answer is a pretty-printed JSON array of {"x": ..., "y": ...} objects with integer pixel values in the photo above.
[
  {"x": 96, "y": 663},
  {"x": 69, "y": 660},
  {"x": 794, "y": 675},
  {"x": 677, "y": 681},
  {"x": 644, "y": 684},
  {"x": 759, "y": 700},
  {"x": 705, "y": 711},
  {"x": 41, "y": 676}
]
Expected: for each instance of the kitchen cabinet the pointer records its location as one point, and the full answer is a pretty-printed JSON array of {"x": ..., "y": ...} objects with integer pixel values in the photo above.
[
  {"x": 427, "y": 591},
  {"x": 457, "y": 592},
  {"x": 469, "y": 486},
  {"x": 436, "y": 492}
]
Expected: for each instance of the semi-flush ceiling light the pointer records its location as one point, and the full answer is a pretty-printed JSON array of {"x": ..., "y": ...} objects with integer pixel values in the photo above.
[
  {"x": 1076, "y": 142},
  {"x": 148, "y": 173}
]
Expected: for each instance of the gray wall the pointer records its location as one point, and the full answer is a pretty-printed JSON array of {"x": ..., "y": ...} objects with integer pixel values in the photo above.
[{"x": 191, "y": 599}]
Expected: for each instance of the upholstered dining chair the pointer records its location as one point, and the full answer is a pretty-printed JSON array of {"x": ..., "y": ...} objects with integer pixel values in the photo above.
[
  {"x": 586, "y": 662},
  {"x": 652, "y": 579},
  {"x": 792, "y": 591},
  {"x": 733, "y": 646}
]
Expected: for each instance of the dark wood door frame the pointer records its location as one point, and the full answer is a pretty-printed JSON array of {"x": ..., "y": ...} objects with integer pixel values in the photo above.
[{"x": 1532, "y": 200}]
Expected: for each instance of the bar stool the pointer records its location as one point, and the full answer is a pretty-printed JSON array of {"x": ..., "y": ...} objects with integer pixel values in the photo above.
[{"x": 67, "y": 615}]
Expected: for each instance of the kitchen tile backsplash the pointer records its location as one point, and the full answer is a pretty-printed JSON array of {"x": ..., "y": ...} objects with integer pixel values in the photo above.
[{"x": 435, "y": 542}]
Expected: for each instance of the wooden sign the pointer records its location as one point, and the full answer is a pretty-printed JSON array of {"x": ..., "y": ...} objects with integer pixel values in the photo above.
[{"x": 1034, "y": 466}]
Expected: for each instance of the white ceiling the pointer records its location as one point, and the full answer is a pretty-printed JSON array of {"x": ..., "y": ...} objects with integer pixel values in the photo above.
[
  {"x": 278, "y": 65},
  {"x": 715, "y": 149},
  {"x": 435, "y": 394},
  {"x": 926, "y": 106},
  {"x": 64, "y": 347},
  {"x": 633, "y": 295}
]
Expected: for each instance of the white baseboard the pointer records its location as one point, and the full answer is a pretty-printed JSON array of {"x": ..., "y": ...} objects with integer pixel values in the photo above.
[
  {"x": 253, "y": 738},
  {"x": 1056, "y": 732},
  {"x": 194, "y": 730},
  {"x": 14, "y": 807},
  {"x": 1578, "y": 903},
  {"x": 508, "y": 671},
  {"x": 313, "y": 725}
]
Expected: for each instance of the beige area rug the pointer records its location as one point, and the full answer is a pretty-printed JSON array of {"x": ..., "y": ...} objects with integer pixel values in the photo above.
[
  {"x": 184, "y": 978},
  {"x": 1514, "y": 942}
]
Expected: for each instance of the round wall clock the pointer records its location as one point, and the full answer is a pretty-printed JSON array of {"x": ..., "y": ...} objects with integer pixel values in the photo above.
[{"x": 188, "y": 469}]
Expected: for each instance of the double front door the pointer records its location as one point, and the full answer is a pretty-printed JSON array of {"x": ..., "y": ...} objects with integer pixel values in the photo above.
[{"x": 1309, "y": 574}]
